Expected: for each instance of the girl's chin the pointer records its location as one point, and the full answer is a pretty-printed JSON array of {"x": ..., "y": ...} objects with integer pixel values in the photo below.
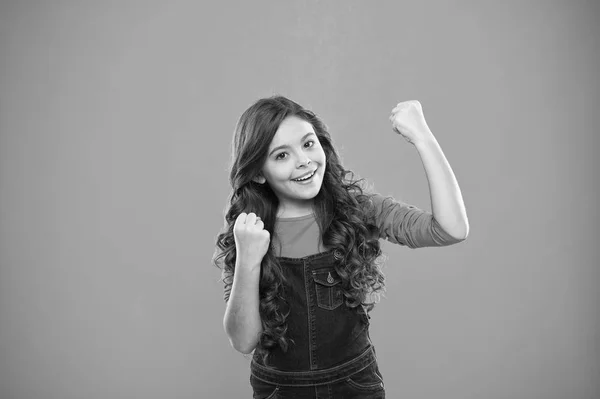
[
  {"x": 302, "y": 190},
  {"x": 307, "y": 187}
]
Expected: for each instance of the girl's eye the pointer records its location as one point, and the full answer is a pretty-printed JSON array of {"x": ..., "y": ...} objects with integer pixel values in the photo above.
[{"x": 312, "y": 143}]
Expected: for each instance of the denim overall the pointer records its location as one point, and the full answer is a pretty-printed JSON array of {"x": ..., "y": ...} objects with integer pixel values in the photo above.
[{"x": 333, "y": 357}]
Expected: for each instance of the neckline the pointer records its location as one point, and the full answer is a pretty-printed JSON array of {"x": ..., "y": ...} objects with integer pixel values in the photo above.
[{"x": 291, "y": 219}]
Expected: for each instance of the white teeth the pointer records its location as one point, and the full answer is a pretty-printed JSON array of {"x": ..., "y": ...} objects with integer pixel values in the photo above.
[{"x": 306, "y": 178}]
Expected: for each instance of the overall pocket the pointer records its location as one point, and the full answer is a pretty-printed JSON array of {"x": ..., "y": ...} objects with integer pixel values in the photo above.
[
  {"x": 369, "y": 379},
  {"x": 328, "y": 285},
  {"x": 263, "y": 390}
]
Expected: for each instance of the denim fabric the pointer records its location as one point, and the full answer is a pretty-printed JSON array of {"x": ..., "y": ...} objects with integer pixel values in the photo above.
[{"x": 333, "y": 356}]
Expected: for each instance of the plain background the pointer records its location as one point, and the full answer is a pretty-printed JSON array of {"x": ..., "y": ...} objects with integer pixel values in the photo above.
[{"x": 116, "y": 120}]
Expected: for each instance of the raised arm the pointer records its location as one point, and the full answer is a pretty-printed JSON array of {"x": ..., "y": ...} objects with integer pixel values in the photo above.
[{"x": 447, "y": 204}]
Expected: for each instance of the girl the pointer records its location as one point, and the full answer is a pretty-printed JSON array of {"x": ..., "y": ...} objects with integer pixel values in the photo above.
[{"x": 300, "y": 250}]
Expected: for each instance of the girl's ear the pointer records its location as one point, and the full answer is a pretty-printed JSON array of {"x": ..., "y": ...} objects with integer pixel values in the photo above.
[{"x": 260, "y": 179}]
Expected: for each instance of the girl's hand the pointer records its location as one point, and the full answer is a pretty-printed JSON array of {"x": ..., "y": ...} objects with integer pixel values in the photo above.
[
  {"x": 408, "y": 120},
  {"x": 251, "y": 239}
]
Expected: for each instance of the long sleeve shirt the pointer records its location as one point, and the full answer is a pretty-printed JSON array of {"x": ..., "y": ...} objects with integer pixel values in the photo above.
[{"x": 397, "y": 222}]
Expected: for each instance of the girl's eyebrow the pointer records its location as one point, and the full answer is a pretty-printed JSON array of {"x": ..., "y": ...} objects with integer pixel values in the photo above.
[{"x": 286, "y": 146}]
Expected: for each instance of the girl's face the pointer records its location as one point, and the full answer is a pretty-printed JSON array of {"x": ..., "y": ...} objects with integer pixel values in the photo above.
[{"x": 294, "y": 152}]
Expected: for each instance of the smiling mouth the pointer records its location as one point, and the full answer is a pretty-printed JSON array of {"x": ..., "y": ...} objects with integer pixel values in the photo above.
[{"x": 306, "y": 177}]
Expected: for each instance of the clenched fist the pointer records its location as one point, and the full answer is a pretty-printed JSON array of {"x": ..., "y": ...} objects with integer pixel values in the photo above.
[
  {"x": 408, "y": 120},
  {"x": 251, "y": 239}
]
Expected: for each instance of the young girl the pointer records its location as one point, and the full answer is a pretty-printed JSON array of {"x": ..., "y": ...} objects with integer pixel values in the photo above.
[{"x": 300, "y": 249}]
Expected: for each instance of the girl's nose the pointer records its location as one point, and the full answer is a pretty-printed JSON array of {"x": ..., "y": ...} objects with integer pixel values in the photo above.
[{"x": 306, "y": 162}]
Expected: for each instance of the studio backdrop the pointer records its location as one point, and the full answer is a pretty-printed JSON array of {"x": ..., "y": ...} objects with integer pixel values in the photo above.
[{"x": 116, "y": 121}]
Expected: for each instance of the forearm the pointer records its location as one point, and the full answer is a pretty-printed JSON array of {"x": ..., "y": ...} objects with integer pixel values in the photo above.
[
  {"x": 447, "y": 203},
  {"x": 242, "y": 321}
]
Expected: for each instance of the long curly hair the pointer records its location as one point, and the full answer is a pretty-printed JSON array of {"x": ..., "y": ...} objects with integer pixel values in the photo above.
[{"x": 342, "y": 209}]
